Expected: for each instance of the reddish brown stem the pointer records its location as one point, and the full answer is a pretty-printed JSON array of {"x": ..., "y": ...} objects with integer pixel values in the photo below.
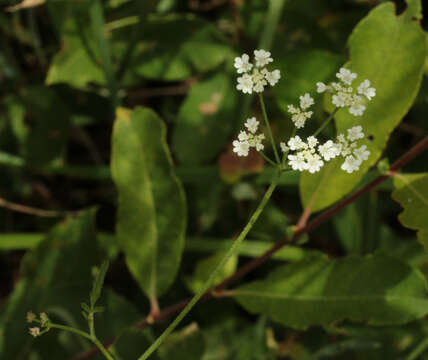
[{"x": 320, "y": 219}]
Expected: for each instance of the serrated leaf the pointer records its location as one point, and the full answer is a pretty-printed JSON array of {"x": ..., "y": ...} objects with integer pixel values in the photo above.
[
  {"x": 151, "y": 217},
  {"x": 205, "y": 120},
  {"x": 377, "y": 289},
  {"x": 411, "y": 192},
  {"x": 390, "y": 51},
  {"x": 98, "y": 283}
]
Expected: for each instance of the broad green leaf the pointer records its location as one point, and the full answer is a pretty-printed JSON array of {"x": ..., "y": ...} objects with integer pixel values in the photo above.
[
  {"x": 412, "y": 194},
  {"x": 40, "y": 121},
  {"x": 378, "y": 289},
  {"x": 390, "y": 51},
  {"x": 55, "y": 278},
  {"x": 206, "y": 119},
  {"x": 175, "y": 47},
  {"x": 76, "y": 64},
  {"x": 206, "y": 266},
  {"x": 301, "y": 73},
  {"x": 151, "y": 217}
]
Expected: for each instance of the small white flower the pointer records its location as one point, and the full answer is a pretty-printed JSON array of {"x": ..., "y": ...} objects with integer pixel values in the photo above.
[
  {"x": 306, "y": 101},
  {"x": 259, "y": 86},
  {"x": 355, "y": 133},
  {"x": 284, "y": 148},
  {"x": 312, "y": 141},
  {"x": 338, "y": 100},
  {"x": 329, "y": 150},
  {"x": 256, "y": 141},
  {"x": 321, "y": 87},
  {"x": 44, "y": 319},
  {"x": 242, "y": 64},
  {"x": 357, "y": 109},
  {"x": 346, "y": 76},
  {"x": 296, "y": 143},
  {"x": 297, "y": 162},
  {"x": 351, "y": 164},
  {"x": 361, "y": 153},
  {"x": 259, "y": 146},
  {"x": 273, "y": 77},
  {"x": 31, "y": 316},
  {"x": 365, "y": 89},
  {"x": 252, "y": 125},
  {"x": 241, "y": 148},
  {"x": 243, "y": 136},
  {"x": 293, "y": 110},
  {"x": 314, "y": 163},
  {"x": 262, "y": 57},
  {"x": 35, "y": 331},
  {"x": 341, "y": 138},
  {"x": 245, "y": 84},
  {"x": 300, "y": 119}
]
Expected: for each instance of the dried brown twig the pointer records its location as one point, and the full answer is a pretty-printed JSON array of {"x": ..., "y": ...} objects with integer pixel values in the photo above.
[{"x": 35, "y": 211}]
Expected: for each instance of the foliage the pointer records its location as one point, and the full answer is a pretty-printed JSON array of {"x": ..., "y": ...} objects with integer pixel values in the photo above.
[{"x": 121, "y": 191}]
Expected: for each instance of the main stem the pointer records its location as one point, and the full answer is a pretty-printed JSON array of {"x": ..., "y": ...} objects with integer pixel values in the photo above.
[
  {"x": 214, "y": 274},
  {"x": 262, "y": 103},
  {"x": 96, "y": 342}
]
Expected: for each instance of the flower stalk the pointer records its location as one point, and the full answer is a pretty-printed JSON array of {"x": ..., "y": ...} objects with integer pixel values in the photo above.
[
  {"x": 232, "y": 250},
  {"x": 262, "y": 103}
]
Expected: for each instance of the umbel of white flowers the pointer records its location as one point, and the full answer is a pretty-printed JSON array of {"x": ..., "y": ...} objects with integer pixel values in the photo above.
[
  {"x": 344, "y": 95},
  {"x": 255, "y": 77},
  {"x": 307, "y": 155}
]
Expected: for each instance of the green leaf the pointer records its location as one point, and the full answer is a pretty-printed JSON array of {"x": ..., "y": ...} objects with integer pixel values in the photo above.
[
  {"x": 175, "y": 47},
  {"x": 98, "y": 283},
  {"x": 205, "y": 120},
  {"x": 206, "y": 266},
  {"x": 19, "y": 241},
  {"x": 132, "y": 343},
  {"x": 378, "y": 289},
  {"x": 411, "y": 192},
  {"x": 76, "y": 63},
  {"x": 85, "y": 307},
  {"x": 302, "y": 71},
  {"x": 41, "y": 125},
  {"x": 54, "y": 278},
  {"x": 186, "y": 344},
  {"x": 390, "y": 51},
  {"x": 151, "y": 217}
]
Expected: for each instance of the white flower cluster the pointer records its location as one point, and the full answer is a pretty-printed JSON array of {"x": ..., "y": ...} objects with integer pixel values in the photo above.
[
  {"x": 299, "y": 115},
  {"x": 343, "y": 94},
  {"x": 247, "y": 140},
  {"x": 311, "y": 158},
  {"x": 255, "y": 78}
]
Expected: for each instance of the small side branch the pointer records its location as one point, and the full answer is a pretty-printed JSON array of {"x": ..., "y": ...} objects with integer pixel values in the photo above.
[{"x": 35, "y": 211}]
